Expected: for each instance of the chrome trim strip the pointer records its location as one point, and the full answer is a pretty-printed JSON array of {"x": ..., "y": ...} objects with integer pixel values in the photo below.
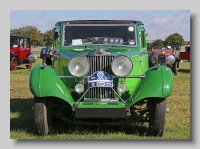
[
  {"x": 60, "y": 76},
  {"x": 138, "y": 76}
]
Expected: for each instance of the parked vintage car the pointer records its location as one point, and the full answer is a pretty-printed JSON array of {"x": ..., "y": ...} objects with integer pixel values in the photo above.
[
  {"x": 20, "y": 49},
  {"x": 158, "y": 51},
  {"x": 44, "y": 52},
  {"x": 45, "y": 55},
  {"x": 99, "y": 74}
]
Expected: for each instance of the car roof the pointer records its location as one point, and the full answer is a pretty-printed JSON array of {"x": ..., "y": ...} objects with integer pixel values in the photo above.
[
  {"x": 98, "y": 21},
  {"x": 20, "y": 36}
]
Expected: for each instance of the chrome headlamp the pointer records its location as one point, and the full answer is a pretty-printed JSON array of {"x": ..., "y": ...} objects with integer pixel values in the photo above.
[
  {"x": 122, "y": 66},
  {"x": 79, "y": 88},
  {"x": 79, "y": 66},
  {"x": 121, "y": 88},
  {"x": 170, "y": 59}
]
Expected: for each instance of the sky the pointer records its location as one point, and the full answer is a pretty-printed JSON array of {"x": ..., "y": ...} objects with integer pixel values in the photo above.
[{"x": 159, "y": 24}]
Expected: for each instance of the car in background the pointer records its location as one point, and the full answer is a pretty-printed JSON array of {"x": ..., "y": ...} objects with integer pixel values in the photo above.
[
  {"x": 20, "y": 49},
  {"x": 44, "y": 52},
  {"x": 164, "y": 52},
  {"x": 45, "y": 55}
]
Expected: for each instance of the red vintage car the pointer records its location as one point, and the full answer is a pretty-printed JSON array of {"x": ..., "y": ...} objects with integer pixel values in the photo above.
[
  {"x": 20, "y": 49},
  {"x": 155, "y": 52}
]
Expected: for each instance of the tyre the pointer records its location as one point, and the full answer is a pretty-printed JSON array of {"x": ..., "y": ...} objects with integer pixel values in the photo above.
[
  {"x": 29, "y": 66},
  {"x": 13, "y": 64},
  {"x": 43, "y": 119},
  {"x": 157, "y": 115}
]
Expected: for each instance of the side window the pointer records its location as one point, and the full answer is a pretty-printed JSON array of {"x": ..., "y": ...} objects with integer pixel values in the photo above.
[
  {"x": 13, "y": 41},
  {"x": 142, "y": 38},
  {"x": 55, "y": 40},
  {"x": 25, "y": 43},
  {"x": 57, "y": 37},
  {"x": 21, "y": 43}
]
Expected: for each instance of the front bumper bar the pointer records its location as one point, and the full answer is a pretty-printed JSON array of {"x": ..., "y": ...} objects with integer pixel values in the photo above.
[{"x": 100, "y": 113}]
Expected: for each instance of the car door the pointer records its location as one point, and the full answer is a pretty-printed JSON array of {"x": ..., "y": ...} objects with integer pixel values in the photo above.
[
  {"x": 27, "y": 48},
  {"x": 21, "y": 49},
  {"x": 14, "y": 49}
]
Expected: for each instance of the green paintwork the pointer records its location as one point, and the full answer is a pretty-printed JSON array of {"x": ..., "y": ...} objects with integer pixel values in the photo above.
[
  {"x": 49, "y": 84},
  {"x": 157, "y": 83},
  {"x": 43, "y": 82}
]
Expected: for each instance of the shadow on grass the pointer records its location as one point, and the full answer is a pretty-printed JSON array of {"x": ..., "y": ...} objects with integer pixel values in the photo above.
[
  {"x": 64, "y": 128},
  {"x": 25, "y": 121},
  {"x": 19, "y": 68},
  {"x": 21, "y": 115},
  {"x": 184, "y": 70}
]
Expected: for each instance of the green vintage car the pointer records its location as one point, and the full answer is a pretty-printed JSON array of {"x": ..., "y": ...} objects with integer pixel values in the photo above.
[{"x": 97, "y": 73}]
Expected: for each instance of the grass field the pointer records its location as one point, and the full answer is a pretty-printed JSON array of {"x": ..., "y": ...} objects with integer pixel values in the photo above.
[{"x": 22, "y": 115}]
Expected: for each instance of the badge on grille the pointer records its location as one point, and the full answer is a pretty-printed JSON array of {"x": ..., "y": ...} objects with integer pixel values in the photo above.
[{"x": 100, "y": 79}]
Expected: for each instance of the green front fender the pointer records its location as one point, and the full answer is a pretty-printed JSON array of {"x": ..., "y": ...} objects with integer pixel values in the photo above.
[
  {"x": 43, "y": 82},
  {"x": 157, "y": 83}
]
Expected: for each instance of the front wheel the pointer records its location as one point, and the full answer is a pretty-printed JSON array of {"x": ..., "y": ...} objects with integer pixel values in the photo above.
[
  {"x": 13, "y": 64},
  {"x": 157, "y": 115},
  {"x": 29, "y": 66},
  {"x": 42, "y": 115}
]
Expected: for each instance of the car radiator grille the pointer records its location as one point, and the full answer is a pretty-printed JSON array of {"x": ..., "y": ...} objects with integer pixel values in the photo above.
[
  {"x": 161, "y": 59},
  {"x": 101, "y": 63}
]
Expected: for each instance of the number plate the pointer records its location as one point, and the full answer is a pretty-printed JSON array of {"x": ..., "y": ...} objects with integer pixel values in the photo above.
[
  {"x": 100, "y": 83},
  {"x": 100, "y": 79}
]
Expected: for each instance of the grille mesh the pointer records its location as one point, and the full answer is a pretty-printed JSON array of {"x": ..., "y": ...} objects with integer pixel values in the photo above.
[{"x": 101, "y": 63}]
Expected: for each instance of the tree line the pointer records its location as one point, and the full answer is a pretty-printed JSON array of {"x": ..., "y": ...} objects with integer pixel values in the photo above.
[
  {"x": 45, "y": 39},
  {"x": 174, "y": 40},
  {"x": 37, "y": 37}
]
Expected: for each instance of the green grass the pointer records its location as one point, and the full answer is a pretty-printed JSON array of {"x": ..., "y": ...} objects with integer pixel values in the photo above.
[{"x": 22, "y": 115}]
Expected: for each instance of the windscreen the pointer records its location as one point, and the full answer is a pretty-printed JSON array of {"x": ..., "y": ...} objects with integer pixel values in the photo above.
[{"x": 102, "y": 34}]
